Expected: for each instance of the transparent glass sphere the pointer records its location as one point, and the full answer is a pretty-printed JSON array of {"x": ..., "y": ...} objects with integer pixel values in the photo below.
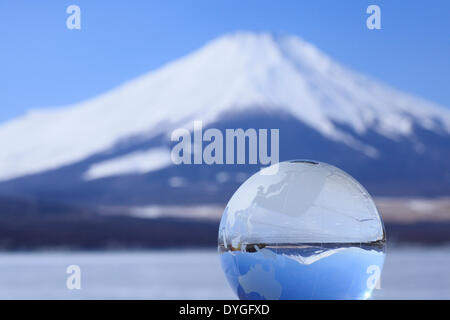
[{"x": 301, "y": 230}]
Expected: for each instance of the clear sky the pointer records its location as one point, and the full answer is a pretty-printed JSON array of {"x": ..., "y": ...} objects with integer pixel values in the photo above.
[{"x": 44, "y": 64}]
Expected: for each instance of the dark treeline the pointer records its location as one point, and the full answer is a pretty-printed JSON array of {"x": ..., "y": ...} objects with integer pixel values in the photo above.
[{"x": 29, "y": 225}]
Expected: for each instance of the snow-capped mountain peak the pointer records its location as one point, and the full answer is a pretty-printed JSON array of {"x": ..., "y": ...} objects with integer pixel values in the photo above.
[{"x": 231, "y": 73}]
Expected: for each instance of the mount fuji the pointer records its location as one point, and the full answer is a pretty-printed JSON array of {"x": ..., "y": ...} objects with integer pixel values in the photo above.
[{"x": 114, "y": 149}]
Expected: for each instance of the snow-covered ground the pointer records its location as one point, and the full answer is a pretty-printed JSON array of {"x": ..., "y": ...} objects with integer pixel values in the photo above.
[{"x": 409, "y": 273}]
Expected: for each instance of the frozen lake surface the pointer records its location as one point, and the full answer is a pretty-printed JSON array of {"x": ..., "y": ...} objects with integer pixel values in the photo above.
[{"x": 409, "y": 273}]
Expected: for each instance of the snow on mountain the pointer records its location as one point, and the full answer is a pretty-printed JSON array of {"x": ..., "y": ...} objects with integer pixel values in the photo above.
[
  {"x": 134, "y": 163},
  {"x": 234, "y": 72}
]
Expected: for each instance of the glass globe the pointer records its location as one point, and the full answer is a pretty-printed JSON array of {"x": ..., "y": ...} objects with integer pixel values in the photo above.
[{"x": 301, "y": 230}]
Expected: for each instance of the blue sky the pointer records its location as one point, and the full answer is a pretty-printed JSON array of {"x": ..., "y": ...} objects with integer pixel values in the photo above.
[{"x": 44, "y": 64}]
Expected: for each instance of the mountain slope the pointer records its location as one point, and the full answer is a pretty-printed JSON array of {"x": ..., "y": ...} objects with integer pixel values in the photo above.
[{"x": 118, "y": 142}]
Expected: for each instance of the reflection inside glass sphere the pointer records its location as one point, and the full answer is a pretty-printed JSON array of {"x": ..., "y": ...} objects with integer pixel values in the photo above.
[{"x": 301, "y": 230}]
